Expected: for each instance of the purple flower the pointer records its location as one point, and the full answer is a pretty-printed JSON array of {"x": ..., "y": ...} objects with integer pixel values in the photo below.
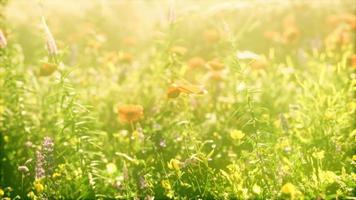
[
  {"x": 48, "y": 145},
  {"x": 44, "y": 158},
  {"x": 40, "y": 172}
]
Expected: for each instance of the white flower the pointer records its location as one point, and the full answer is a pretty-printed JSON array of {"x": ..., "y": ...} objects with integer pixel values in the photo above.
[{"x": 247, "y": 55}]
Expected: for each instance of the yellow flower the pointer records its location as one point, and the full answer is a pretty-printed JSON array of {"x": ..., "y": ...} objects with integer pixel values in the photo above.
[
  {"x": 328, "y": 176},
  {"x": 289, "y": 188},
  {"x": 256, "y": 189},
  {"x": 329, "y": 115},
  {"x": 39, "y": 187},
  {"x": 353, "y": 175},
  {"x": 1, "y": 192},
  {"x": 61, "y": 166},
  {"x": 354, "y": 157},
  {"x": 237, "y": 134},
  {"x": 174, "y": 164},
  {"x": 111, "y": 168},
  {"x": 2, "y": 110},
  {"x": 217, "y": 135},
  {"x": 166, "y": 185},
  {"x": 31, "y": 195},
  {"x": 319, "y": 155},
  {"x": 56, "y": 175},
  {"x": 135, "y": 134},
  {"x": 6, "y": 139}
]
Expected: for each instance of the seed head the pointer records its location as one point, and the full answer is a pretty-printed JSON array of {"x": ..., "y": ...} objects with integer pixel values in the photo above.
[
  {"x": 3, "y": 41},
  {"x": 50, "y": 42},
  {"x": 23, "y": 169}
]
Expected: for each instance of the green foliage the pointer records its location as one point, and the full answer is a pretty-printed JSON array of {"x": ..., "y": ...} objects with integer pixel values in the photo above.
[{"x": 275, "y": 119}]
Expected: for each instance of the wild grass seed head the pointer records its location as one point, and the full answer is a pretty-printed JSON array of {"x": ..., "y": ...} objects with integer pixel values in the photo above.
[
  {"x": 50, "y": 42},
  {"x": 3, "y": 41}
]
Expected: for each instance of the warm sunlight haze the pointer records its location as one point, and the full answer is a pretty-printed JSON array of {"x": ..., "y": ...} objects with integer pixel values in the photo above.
[{"x": 177, "y": 99}]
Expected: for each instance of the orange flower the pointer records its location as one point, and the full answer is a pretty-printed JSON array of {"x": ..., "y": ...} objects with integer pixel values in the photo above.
[
  {"x": 339, "y": 37},
  {"x": 260, "y": 63},
  {"x": 110, "y": 57},
  {"x": 215, "y": 64},
  {"x": 288, "y": 21},
  {"x": 216, "y": 75},
  {"x": 211, "y": 35},
  {"x": 353, "y": 61},
  {"x": 173, "y": 91},
  {"x": 129, "y": 41},
  {"x": 291, "y": 34},
  {"x": 273, "y": 35},
  {"x": 343, "y": 18},
  {"x": 291, "y": 31},
  {"x": 350, "y": 19},
  {"x": 333, "y": 20},
  {"x": 176, "y": 89},
  {"x": 196, "y": 62},
  {"x": 130, "y": 113},
  {"x": 47, "y": 69},
  {"x": 179, "y": 50},
  {"x": 125, "y": 57},
  {"x": 97, "y": 40}
]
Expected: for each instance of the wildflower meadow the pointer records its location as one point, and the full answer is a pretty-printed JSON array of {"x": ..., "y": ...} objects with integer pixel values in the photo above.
[{"x": 177, "y": 99}]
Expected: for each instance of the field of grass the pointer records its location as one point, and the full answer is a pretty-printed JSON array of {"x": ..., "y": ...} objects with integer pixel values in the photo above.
[{"x": 184, "y": 99}]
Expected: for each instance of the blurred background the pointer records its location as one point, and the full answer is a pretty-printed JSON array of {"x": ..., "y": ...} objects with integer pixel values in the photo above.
[
  {"x": 75, "y": 24},
  {"x": 210, "y": 99}
]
